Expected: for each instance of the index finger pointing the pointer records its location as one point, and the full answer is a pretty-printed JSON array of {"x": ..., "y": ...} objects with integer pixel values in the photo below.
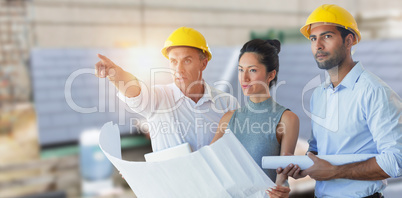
[{"x": 104, "y": 58}]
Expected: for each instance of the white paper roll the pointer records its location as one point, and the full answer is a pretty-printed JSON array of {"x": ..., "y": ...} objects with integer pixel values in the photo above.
[{"x": 304, "y": 162}]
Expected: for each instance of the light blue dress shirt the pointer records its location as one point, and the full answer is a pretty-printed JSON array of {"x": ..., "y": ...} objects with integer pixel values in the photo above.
[{"x": 362, "y": 115}]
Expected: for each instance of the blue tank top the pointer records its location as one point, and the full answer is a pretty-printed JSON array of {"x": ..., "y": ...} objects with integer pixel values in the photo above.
[{"x": 254, "y": 125}]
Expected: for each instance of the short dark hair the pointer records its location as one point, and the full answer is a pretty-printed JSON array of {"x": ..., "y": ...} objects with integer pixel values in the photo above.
[
  {"x": 344, "y": 33},
  {"x": 267, "y": 52}
]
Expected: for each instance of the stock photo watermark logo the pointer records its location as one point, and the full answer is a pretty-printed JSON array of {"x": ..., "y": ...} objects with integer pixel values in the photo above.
[
  {"x": 172, "y": 126},
  {"x": 247, "y": 126},
  {"x": 329, "y": 116},
  {"x": 150, "y": 102},
  {"x": 122, "y": 108}
]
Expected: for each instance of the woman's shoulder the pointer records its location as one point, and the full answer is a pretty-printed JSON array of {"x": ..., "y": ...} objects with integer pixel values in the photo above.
[{"x": 289, "y": 117}]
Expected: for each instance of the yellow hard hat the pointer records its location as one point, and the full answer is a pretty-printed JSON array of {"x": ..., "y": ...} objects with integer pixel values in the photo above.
[
  {"x": 185, "y": 36},
  {"x": 332, "y": 14}
]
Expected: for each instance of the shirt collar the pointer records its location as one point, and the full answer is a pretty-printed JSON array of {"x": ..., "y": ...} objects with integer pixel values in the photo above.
[
  {"x": 178, "y": 94},
  {"x": 350, "y": 79},
  {"x": 207, "y": 93},
  {"x": 327, "y": 83}
]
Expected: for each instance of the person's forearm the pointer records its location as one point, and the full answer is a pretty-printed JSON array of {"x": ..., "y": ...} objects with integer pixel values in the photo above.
[
  {"x": 314, "y": 152},
  {"x": 126, "y": 83},
  {"x": 366, "y": 170}
]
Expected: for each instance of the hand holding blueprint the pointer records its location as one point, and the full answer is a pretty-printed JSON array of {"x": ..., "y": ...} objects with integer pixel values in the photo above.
[
  {"x": 304, "y": 162},
  {"x": 223, "y": 169}
]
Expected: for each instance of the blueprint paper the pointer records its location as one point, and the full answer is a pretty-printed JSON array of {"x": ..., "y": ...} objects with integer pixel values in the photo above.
[
  {"x": 170, "y": 153},
  {"x": 223, "y": 169},
  {"x": 304, "y": 162}
]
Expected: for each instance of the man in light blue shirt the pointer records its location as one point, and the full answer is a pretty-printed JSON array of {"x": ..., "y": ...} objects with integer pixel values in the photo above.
[{"x": 353, "y": 112}]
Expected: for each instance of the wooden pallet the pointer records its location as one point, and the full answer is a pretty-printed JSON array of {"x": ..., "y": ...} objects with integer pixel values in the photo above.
[
  {"x": 19, "y": 137},
  {"x": 40, "y": 176}
]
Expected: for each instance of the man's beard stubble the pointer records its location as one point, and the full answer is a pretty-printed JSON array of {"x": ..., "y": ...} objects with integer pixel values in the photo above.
[{"x": 339, "y": 57}]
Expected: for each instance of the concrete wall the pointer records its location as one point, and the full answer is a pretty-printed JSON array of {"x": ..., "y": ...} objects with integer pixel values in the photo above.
[{"x": 122, "y": 23}]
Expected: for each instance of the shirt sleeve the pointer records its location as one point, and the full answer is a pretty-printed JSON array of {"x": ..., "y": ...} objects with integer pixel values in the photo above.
[
  {"x": 140, "y": 104},
  {"x": 384, "y": 120},
  {"x": 312, "y": 144}
]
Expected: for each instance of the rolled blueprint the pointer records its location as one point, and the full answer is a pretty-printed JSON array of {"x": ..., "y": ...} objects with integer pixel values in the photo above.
[{"x": 304, "y": 162}]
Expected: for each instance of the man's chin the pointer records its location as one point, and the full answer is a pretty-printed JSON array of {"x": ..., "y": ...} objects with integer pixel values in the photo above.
[{"x": 324, "y": 65}]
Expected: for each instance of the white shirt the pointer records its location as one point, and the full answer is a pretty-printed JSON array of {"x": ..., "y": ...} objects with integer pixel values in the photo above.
[{"x": 174, "y": 118}]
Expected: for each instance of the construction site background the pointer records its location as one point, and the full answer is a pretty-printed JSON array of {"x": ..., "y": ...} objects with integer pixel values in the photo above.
[{"x": 90, "y": 24}]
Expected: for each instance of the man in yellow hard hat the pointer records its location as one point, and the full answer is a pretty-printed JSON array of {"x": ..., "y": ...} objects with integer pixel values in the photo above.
[
  {"x": 186, "y": 111},
  {"x": 354, "y": 112}
]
